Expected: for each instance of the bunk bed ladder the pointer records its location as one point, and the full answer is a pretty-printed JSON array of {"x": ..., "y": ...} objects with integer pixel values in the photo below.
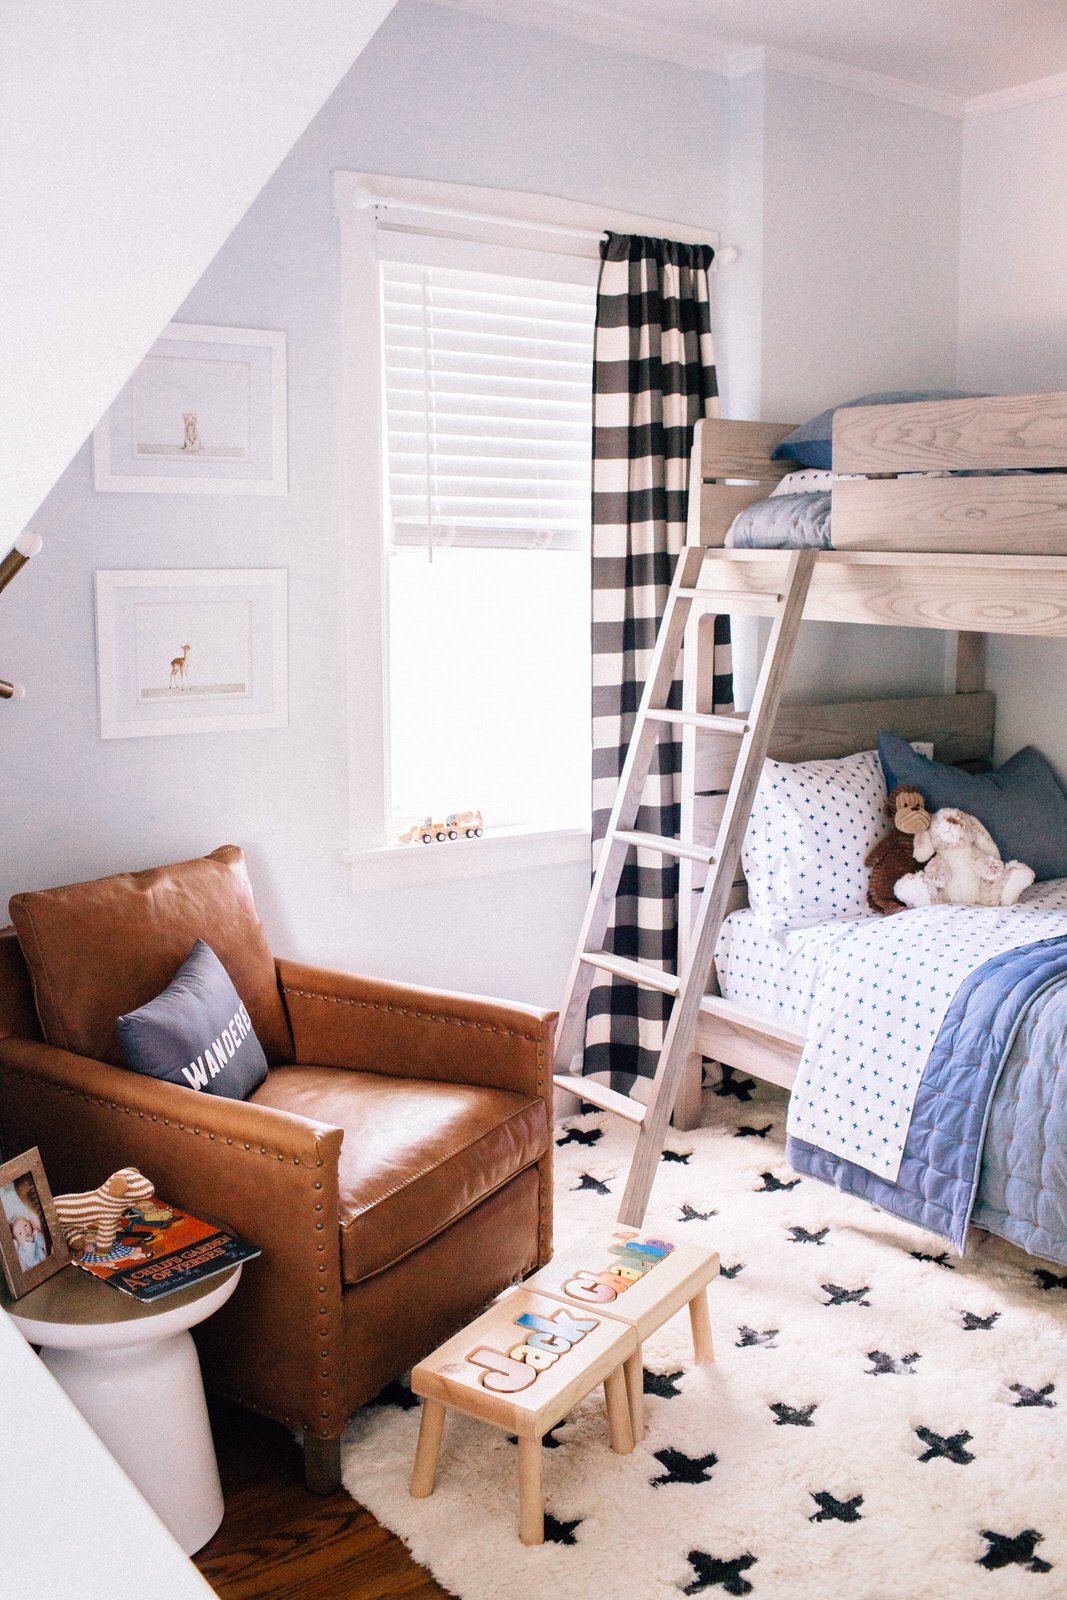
[{"x": 753, "y": 731}]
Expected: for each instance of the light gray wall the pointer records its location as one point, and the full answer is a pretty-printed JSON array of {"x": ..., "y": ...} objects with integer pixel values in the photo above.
[
  {"x": 846, "y": 207},
  {"x": 1013, "y": 338},
  {"x": 1013, "y": 250},
  {"x": 862, "y": 201},
  {"x": 439, "y": 95}
]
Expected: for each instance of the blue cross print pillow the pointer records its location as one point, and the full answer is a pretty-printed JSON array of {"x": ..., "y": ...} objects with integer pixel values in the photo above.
[{"x": 197, "y": 1032}]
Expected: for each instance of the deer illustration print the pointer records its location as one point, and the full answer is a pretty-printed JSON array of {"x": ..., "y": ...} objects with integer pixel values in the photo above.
[{"x": 179, "y": 672}]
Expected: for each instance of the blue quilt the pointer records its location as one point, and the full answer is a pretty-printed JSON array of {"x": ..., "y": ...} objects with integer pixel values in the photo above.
[
  {"x": 987, "y": 1141},
  {"x": 783, "y": 522}
]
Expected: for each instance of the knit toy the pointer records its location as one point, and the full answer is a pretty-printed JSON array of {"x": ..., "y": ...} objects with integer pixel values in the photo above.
[
  {"x": 97, "y": 1212},
  {"x": 963, "y": 866},
  {"x": 894, "y": 855}
]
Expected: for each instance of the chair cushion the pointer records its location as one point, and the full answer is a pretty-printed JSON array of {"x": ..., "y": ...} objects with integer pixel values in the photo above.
[
  {"x": 98, "y": 949},
  {"x": 417, "y": 1154}
]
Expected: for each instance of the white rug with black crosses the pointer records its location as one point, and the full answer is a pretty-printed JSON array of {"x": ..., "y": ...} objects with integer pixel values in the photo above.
[{"x": 883, "y": 1421}]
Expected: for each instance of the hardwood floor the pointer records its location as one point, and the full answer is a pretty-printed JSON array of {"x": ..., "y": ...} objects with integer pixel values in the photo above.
[{"x": 277, "y": 1542}]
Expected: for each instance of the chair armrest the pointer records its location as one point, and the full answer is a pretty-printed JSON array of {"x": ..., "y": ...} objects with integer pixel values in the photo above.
[
  {"x": 107, "y": 1097},
  {"x": 269, "y": 1175},
  {"x": 339, "y": 1019}
]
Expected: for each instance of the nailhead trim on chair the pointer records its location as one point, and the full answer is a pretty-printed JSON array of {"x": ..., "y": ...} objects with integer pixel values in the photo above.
[{"x": 407, "y": 1011}]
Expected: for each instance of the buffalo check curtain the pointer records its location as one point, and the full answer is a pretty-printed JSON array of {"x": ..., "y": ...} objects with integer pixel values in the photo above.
[{"x": 653, "y": 377}]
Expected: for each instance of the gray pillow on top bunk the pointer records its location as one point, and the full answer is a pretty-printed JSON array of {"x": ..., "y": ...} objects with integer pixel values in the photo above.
[
  {"x": 1021, "y": 803},
  {"x": 811, "y": 443}
]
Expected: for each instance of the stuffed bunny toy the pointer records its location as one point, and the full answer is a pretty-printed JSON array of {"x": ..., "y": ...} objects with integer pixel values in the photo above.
[{"x": 963, "y": 866}]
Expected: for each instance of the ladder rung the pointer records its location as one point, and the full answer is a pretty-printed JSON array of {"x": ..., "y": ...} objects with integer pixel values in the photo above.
[
  {"x": 669, "y": 847},
  {"x": 702, "y": 719},
  {"x": 598, "y": 1094},
  {"x": 727, "y": 600},
  {"x": 636, "y": 971}
]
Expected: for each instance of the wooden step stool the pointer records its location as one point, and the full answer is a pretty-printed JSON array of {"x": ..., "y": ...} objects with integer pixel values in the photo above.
[
  {"x": 523, "y": 1365},
  {"x": 642, "y": 1279}
]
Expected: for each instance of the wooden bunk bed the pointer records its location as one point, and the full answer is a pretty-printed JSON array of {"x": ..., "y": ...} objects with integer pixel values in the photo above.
[{"x": 967, "y": 555}]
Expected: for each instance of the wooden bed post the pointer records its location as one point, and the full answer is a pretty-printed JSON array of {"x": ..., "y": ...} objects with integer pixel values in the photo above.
[{"x": 964, "y": 663}]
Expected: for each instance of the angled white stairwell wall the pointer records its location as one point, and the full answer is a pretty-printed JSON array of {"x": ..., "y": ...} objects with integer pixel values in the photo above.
[{"x": 132, "y": 139}]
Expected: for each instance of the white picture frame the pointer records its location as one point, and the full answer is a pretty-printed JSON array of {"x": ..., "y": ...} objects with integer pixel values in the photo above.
[
  {"x": 204, "y": 413},
  {"x": 228, "y": 670}
]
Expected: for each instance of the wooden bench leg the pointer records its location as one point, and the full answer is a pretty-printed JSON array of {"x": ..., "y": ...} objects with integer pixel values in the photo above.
[
  {"x": 531, "y": 1492},
  {"x": 615, "y": 1394},
  {"x": 635, "y": 1393},
  {"x": 700, "y": 1322},
  {"x": 429, "y": 1448}
]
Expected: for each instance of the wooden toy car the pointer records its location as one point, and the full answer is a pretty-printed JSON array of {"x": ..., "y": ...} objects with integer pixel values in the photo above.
[
  {"x": 420, "y": 832},
  {"x": 467, "y": 823}
]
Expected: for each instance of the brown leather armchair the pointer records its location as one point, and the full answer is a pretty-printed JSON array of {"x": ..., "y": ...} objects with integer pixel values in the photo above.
[{"x": 394, "y": 1167}]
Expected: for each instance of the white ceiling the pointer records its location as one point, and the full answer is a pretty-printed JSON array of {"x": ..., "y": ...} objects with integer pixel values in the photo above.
[{"x": 956, "y": 49}]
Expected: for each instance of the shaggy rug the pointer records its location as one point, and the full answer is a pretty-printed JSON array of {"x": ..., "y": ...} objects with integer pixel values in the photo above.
[{"x": 884, "y": 1421}]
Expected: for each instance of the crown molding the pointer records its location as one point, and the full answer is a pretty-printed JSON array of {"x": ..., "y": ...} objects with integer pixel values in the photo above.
[
  {"x": 1023, "y": 94},
  {"x": 632, "y": 38},
  {"x": 765, "y": 58},
  {"x": 730, "y": 61}
]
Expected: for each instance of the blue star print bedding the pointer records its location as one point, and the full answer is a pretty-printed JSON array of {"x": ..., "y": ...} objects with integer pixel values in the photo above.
[{"x": 930, "y": 1082}]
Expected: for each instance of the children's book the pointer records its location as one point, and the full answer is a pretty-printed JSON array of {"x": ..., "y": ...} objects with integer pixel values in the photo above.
[{"x": 161, "y": 1249}]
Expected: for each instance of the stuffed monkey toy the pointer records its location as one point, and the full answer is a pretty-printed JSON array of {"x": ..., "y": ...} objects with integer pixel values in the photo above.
[{"x": 894, "y": 856}]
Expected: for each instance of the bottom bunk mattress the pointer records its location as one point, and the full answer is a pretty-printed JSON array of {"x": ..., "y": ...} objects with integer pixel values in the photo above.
[
  {"x": 931, "y": 1079},
  {"x": 776, "y": 973}
]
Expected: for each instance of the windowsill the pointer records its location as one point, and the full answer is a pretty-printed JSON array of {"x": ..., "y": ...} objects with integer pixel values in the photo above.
[{"x": 399, "y": 866}]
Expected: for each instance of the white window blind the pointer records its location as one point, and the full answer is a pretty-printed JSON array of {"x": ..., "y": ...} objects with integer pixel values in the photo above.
[{"x": 488, "y": 408}]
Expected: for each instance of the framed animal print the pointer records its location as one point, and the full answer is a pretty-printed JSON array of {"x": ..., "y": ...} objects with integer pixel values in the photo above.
[
  {"x": 32, "y": 1244},
  {"x": 198, "y": 651},
  {"x": 204, "y": 413}
]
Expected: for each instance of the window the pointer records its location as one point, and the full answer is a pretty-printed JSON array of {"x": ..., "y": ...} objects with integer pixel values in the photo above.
[
  {"x": 467, "y": 341},
  {"x": 487, "y": 411}
]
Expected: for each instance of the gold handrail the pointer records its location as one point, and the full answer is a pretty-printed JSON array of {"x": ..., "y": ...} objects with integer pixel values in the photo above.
[{"x": 26, "y": 546}]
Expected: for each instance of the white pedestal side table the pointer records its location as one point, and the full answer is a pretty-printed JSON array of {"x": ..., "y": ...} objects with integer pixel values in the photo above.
[{"x": 132, "y": 1371}]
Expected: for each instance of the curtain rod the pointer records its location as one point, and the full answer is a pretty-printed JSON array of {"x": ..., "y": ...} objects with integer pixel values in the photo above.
[{"x": 366, "y": 200}]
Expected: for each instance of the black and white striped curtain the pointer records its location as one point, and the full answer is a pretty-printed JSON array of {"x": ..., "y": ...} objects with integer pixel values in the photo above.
[{"x": 653, "y": 378}]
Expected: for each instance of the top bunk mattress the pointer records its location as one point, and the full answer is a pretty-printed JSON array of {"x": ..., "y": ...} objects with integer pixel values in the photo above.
[{"x": 970, "y": 474}]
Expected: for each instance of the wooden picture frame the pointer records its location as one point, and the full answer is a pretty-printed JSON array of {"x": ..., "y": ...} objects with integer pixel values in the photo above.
[{"x": 28, "y": 1225}]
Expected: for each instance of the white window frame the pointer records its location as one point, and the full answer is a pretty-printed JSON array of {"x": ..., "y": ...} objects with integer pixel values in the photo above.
[{"x": 458, "y": 211}]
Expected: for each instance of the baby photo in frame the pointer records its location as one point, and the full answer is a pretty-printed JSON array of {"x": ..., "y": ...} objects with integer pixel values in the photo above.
[{"x": 32, "y": 1244}]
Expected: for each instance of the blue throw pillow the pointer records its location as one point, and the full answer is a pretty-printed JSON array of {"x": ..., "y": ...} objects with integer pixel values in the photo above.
[
  {"x": 812, "y": 443},
  {"x": 1022, "y": 803},
  {"x": 197, "y": 1032}
]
